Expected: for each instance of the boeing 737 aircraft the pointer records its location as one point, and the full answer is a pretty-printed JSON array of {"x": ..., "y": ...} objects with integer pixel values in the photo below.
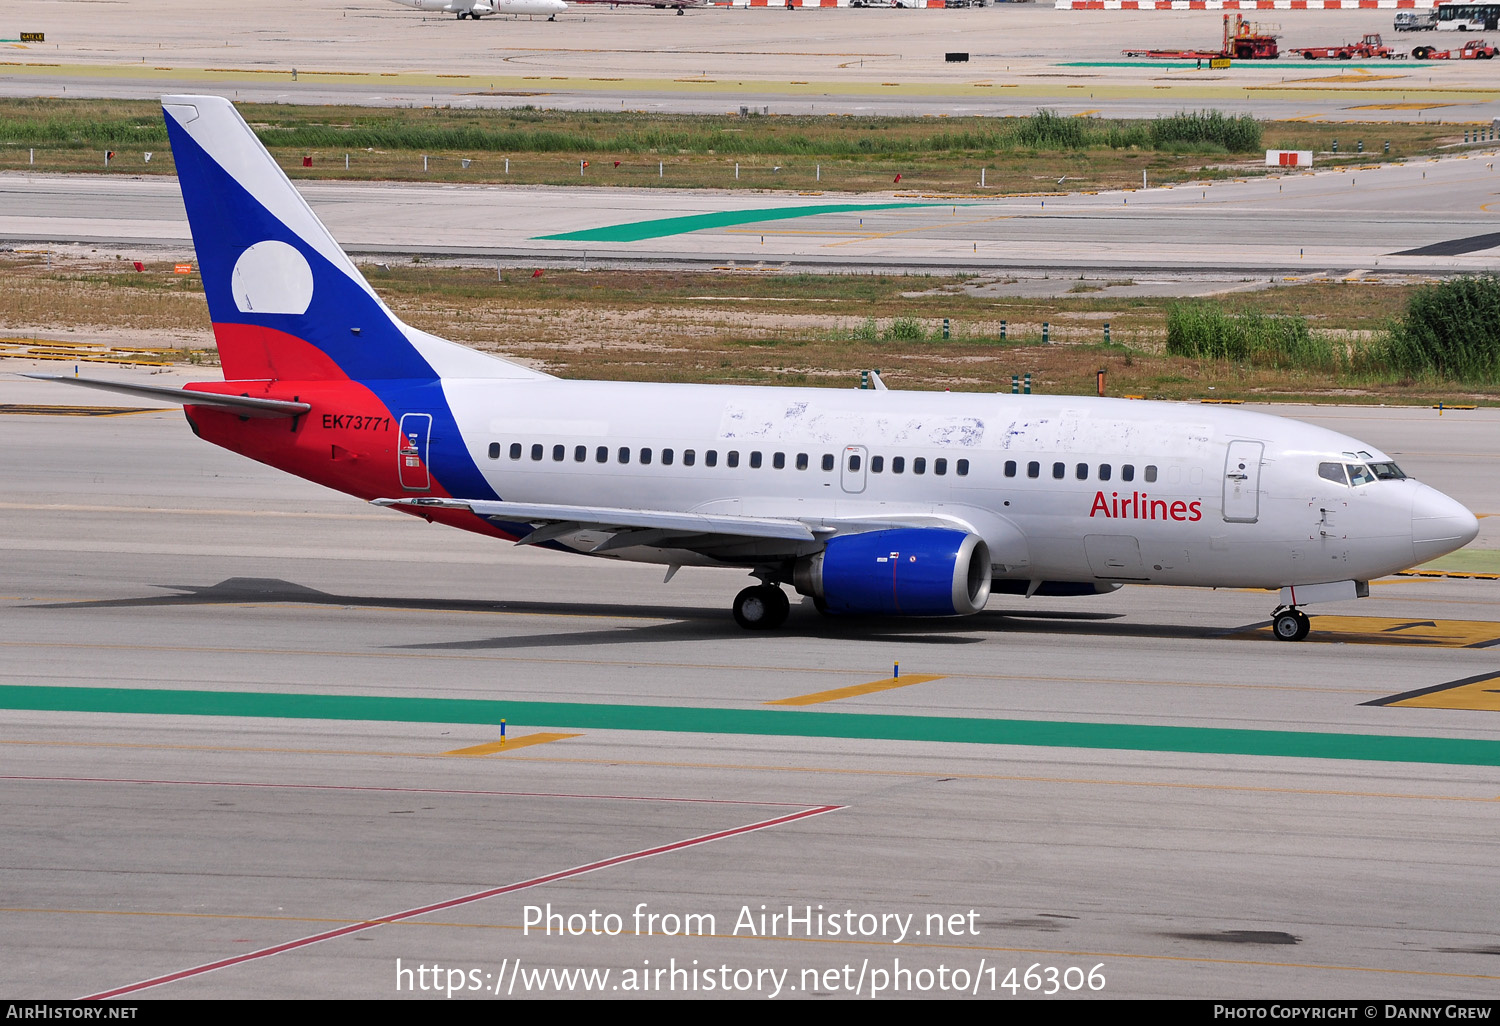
[
  {"x": 869, "y": 501},
  {"x": 477, "y": 9}
]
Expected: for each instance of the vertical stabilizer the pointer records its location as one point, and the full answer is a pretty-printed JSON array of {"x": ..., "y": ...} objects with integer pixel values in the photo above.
[{"x": 286, "y": 301}]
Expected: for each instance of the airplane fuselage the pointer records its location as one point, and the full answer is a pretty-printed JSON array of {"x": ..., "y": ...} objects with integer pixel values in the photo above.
[{"x": 1060, "y": 488}]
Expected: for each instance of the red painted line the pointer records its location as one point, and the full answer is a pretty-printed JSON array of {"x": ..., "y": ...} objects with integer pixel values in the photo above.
[
  {"x": 466, "y": 899},
  {"x": 407, "y": 790}
]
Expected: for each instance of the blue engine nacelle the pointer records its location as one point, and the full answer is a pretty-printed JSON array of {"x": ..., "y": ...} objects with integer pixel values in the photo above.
[{"x": 911, "y": 571}]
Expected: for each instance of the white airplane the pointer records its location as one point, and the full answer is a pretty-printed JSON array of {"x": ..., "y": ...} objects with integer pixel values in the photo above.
[
  {"x": 870, "y": 501},
  {"x": 477, "y": 9}
]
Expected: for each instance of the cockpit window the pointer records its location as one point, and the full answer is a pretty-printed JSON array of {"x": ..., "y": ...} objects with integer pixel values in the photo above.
[
  {"x": 1333, "y": 472},
  {"x": 1387, "y": 471},
  {"x": 1359, "y": 474}
]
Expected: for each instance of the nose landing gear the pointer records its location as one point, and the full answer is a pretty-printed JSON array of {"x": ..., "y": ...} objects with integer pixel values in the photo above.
[
  {"x": 761, "y": 607},
  {"x": 1290, "y": 623}
]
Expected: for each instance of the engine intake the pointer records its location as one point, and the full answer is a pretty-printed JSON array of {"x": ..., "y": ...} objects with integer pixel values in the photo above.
[{"x": 917, "y": 571}]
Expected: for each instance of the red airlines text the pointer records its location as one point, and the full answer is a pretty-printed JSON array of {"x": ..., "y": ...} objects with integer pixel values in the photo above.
[{"x": 1136, "y": 506}]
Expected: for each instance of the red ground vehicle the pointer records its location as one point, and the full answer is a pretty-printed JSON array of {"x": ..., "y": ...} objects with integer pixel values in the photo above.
[
  {"x": 1243, "y": 40},
  {"x": 1473, "y": 50},
  {"x": 1370, "y": 46}
]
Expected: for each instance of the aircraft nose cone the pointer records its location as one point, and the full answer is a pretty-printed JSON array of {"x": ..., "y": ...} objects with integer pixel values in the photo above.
[{"x": 1439, "y": 525}]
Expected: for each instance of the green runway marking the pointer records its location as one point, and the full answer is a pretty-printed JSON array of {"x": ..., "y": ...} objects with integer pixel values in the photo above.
[
  {"x": 867, "y": 726},
  {"x": 635, "y": 231}
]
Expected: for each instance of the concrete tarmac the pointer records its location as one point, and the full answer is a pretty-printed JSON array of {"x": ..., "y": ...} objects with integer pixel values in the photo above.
[
  {"x": 1424, "y": 217},
  {"x": 296, "y": 854},
  {"x": 1020, "y": 57}
]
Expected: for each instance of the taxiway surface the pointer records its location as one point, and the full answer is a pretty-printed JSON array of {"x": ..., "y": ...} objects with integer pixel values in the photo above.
[
  {"x": 1437, "y": 216},
  {"x": 170, "y": 806}
]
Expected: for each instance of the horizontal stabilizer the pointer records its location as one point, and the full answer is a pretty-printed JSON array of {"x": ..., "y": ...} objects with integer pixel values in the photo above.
[{"x": 244, "y": 405}]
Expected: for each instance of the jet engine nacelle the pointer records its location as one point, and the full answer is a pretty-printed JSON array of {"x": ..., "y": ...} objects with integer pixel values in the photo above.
[
  {"x": 482, "y": 8},
  {"x": 917, "y": 571}
]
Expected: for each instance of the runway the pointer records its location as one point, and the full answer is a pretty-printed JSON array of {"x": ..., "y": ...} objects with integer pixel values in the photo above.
[
  {"x": 1425, "y": 217},
  {"x": 1019, "y": 57},
  {"x": 308, "y": 783}
]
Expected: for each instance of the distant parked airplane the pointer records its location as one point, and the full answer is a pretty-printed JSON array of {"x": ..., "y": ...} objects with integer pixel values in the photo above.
[{"x": 477, "y": 9}]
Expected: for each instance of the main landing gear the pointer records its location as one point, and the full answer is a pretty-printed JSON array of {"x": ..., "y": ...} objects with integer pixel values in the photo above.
[
  {"x": 1290, "y": 623},
  {"x": 761, "y": 607}
]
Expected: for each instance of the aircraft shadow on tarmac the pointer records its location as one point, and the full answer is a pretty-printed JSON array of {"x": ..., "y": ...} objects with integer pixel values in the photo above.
[{"x": 681, "y": 623}]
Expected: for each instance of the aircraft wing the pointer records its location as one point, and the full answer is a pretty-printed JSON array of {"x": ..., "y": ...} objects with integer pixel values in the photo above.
[
  {"x": 665, "y": 528},
  {"x": 244, "y": 405}
]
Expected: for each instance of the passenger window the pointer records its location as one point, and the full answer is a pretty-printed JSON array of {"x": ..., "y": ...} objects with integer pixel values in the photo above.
[
  {"x": 940, "y": 467},
  {"x": 1333, "y": 472},
  {"x": 689, "y": 457},
  {"x": 1150, "y": 473},
  {"x": 645, "y": 455},
  {"x": 536, "y": 451},
  {"x": 732, "y": 457},
  {"x": 1104, "y": 471},
  {"x": 877, "y": 464},
  {"x": 755, "y": 461},
  {"x": 802, "y": 461},
  {"x": 494, "y": 450},
  {"x": 919, "y": 465},
  {"x": 1059, "y": 469},
  {"x": 666, "y": 457},
  {"x": 601, "y": 454},
  {"x": 580, "y": 453},
  {"x": 624, "y": 454},
  {"x": 1033, "y": 469},
  {"x": 1127, "y": 472},
  {"x": 559, "y": 453},
  {"x": 515, "y": 450},
  {"x": 828, "y": 461},
  {"x": 1010, "y": 468},
  {"x": 1083, "y": 471},
  {"x": 779, "y": 461},
  {"x": 1359, "y": 474},
  {"x": 854, "y": 461},
  {"x": 898, "y": 464},
  {"x": 963, "y": 468},
  {"x": 711, "y": 458}
]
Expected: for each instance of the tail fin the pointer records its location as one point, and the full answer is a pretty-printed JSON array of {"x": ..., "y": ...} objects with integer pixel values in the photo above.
[{"x": 286, "y": 301}]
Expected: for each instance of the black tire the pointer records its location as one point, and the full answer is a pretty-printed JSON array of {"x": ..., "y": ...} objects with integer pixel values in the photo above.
[
  {"x": 762, "y": 607},
  {"x": 1291, "y": 625}
]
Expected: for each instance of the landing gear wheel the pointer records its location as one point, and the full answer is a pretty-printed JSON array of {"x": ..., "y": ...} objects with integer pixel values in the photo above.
[
  {"x": 761, "y": 608},
  {"x": 1291, "y": 625}
]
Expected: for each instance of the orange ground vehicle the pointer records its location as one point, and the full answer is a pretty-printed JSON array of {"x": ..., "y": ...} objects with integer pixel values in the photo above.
[
  {"x": 1473, "y": 50},
  {"x": 1368, "y": 47},
  {"x": 1243, "y": 40}
]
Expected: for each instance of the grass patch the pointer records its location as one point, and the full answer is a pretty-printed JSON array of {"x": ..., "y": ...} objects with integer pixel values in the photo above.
[
  {"x": 1020, "y": 154},
  {"x": 780, "y": 329}
]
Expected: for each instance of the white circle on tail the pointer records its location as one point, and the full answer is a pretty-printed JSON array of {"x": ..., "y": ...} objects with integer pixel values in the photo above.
[{"x": 272, "y": 277}]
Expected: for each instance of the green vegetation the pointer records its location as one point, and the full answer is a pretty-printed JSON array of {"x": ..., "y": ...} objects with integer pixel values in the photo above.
[
  {"x": 1208, "y": 331},
  {"x": 529, "y": 146},
  {"x": 1451, "y": 331},
  {"x": 527, "y": 130}
]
